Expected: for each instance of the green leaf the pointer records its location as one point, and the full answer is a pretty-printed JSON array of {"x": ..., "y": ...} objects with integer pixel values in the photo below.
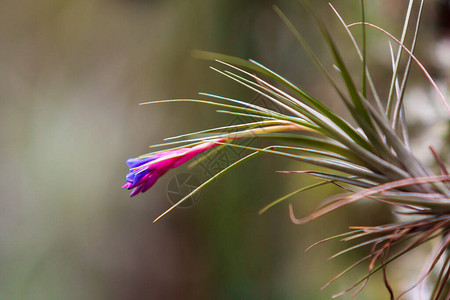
[
  {"x": 279, "y": 200},
  {"x": 372, "y": 160},
  {"x": 233, "y": 165},
  {"x": 358, "y": 111},
  {"x": 339, "y": 178},
  {"x": 398, "y": 105},
  {"x": 391, "y": 101},
  {"x": 361, "y": 56},
  {"x": 364, "y": 57},
  {"x": 341, "y": 123},
  {"x": 331, "y": 164},
  {"x": 249, "y": 125}
]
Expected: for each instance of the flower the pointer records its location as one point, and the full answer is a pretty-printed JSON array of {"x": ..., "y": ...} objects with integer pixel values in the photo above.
[{"x": 147, "y": 169}]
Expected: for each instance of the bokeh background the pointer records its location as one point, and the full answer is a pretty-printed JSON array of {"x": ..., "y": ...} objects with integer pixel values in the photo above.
[{"x": 71, "y": 77}]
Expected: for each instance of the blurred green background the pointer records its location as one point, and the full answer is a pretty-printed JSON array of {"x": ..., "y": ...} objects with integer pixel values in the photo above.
[{"x": 72, "y": 74}]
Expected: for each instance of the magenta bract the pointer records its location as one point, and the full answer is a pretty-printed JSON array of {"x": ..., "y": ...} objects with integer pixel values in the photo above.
[{"x": 147, "y": 169}]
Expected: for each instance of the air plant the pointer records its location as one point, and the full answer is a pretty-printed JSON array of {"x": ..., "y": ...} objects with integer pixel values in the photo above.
[{"x": 368, "y": 157}]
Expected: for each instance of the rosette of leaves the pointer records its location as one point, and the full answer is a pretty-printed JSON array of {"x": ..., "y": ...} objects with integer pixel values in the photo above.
[{"x": 369, "y": 157}]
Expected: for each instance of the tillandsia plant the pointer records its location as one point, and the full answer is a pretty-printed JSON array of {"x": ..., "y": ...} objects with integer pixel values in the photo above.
[{"x": 368, "y": 157}]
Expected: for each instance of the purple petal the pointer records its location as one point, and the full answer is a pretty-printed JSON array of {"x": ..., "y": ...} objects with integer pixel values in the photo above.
[
  {"x": 137, "y": 176},
  {"x": 137, "y": 162},
  {"x": 136, "y": 191}
]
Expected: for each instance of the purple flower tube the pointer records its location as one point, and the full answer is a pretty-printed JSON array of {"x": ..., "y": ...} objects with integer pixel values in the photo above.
[{"x": 147, "y": 169}]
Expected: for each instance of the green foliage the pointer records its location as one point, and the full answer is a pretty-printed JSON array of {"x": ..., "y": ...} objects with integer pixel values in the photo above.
[{"x": 373, "y": 157}]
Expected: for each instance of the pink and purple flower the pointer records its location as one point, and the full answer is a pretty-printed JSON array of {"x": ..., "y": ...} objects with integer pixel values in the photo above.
[{"x": 147, "y": 169}]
